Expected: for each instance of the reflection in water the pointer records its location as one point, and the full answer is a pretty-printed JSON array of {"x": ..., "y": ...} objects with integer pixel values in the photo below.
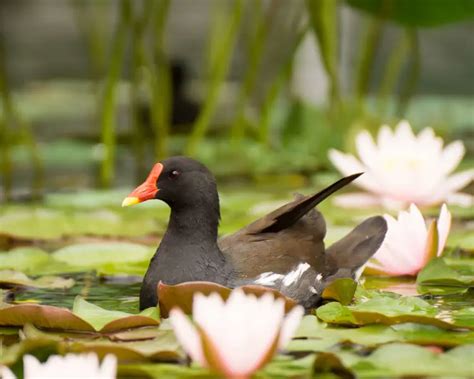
[{"x": 120, "y": 295}]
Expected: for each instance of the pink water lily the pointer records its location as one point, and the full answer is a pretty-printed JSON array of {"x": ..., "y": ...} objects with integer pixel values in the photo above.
[
  {"x": 403, "y": 168},
  {"x": 237, "y": 337},
  {"x": 409, "y": 244},
  {"x": 68, "y": 366}
]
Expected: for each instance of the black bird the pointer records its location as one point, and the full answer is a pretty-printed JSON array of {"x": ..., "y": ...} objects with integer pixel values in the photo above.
[{"x": 283, "y": 250}]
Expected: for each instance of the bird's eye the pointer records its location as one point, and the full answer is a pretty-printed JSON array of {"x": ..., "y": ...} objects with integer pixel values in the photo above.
[{"x": 173, "y": 174}]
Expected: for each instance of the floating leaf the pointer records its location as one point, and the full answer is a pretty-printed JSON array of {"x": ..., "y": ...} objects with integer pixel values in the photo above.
[
  {"x": 84, "y": 317},
  {"x": 341, "y": 289},
  {"x": 387, "y": 310},
  {"x": 439, "y": 278},
  {"x": 181, "y": 295},
  {"x": 23, "y": 258},
  {"x": 11, "y": 278},
  {"x": 314, "y": 335},
  {"x": 163, "y": 346},
  {"x": 50, "y": 223},
  {"x": 401, "y": 360},
  {"x": 112, "y": 257}
]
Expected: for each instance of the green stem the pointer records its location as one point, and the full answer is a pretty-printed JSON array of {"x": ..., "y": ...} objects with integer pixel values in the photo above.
[
  {"x": 323, "y": 19},
  {"x": 275, "y": 88},
  {"x": 90, "y": 20},
  {"x": 220, "y": 68},
  {"x": 161, "y": 83},
  {"x": 411, "y": 82},
  {"x": 12, "y": 117},
  {"x": 256, "y": 53},
  {"x": 5, "y": 153},
  {"x": 368, "y": 51},
  {"x": 107, "y": 116},
  {"x": 392, "y": 72},
  {"x": 140, "y": 24}
]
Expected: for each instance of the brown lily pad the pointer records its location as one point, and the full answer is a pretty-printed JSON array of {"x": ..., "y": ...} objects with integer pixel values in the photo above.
[
  {"x": 181, "y": 295},
  {"x": 85, "y": 317},
  {"x": 162, "y": 346},
  {"x": 43, "y": 316}
]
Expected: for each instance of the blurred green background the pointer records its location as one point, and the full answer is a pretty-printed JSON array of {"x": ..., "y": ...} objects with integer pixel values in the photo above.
[{"x": 94, "y": 91}]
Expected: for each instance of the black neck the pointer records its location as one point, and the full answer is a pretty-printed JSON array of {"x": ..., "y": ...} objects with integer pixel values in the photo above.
[{"x": 197, "y": 223}]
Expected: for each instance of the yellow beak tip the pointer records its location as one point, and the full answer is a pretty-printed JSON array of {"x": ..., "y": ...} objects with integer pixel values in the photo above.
[{"x": 130, "y": 201}]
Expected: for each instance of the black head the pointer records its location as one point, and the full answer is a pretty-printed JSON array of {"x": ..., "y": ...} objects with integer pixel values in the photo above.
[{"x": 181, "y": 182}]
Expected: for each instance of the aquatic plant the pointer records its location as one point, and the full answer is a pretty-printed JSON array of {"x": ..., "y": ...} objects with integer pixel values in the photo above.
[
  {"x": 409, "y": 245},
  {"x": 403, "y": 168},
  {"x": 68, "y": 366},
  {"x": 238, "y": 337}
]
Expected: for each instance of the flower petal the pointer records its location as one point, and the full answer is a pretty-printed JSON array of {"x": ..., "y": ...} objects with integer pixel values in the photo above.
[
  {"x": 6, "y": 373},
  {"x": 289, "y": 326},
  {"x": 461, "y": 199},
  {"x": 451, "y": 157},
  {"x": 108, "y": 368},
  {"x": 187, "y": 336},
  {"x": 444, "y": 226}
]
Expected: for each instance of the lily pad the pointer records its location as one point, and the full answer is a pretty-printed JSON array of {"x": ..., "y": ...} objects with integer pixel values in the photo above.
[
  {"x": 439, "y": 278},
  {"x": 181, "y": 295},
  {"x": 162, "y": 347},
  {"x": 388, "y": 310},
  {"x": 314, "y": 335},
  {"x": 84, "y": 317},
  {"x": 401, "y": 360},
  {"x": 23, "y": 258},
  {"x": 15, "y": 279},
  {"x": 108, "y": 257},
  {"x": 342, "y": 290},
  {"x": 43, "y": 223}
]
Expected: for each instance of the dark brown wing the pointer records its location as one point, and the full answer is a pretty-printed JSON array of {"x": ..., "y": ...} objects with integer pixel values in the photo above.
[
  {"x": 279, "y": 241},
  {"x": 287, "y": 215}
]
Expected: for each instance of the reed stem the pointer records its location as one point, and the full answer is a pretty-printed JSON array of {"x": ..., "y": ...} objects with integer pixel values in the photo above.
[
  {"x": 324, "y": 21},
  {"x": 220, "y": 66},
  {"x": 107, "y": 116},
  {"x": 410, "y": 84}
]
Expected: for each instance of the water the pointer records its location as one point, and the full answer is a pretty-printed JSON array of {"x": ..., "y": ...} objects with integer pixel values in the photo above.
[
  {"x": 117, "y": 294},
  {"x": 123, "y": 294}
]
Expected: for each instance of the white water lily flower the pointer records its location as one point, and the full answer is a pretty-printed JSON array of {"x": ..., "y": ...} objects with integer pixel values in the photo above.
[
  {"x": 409, "y": 244},
  {"x": 401, "y": 168},
  {"x": 68, "y": 366},
  {"x": 237, "y": 337}
]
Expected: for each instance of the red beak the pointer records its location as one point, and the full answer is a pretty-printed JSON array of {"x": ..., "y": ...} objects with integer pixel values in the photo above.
[{"x": 145, "y": 191}]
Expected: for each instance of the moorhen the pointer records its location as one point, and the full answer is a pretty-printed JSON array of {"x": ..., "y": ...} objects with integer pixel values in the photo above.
[{"x": 282, "y": 250}]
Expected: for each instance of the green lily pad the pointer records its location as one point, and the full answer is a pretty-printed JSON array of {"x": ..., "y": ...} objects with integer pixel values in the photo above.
[
  {"x": 464, "y": 317},
  {"x": 163, "y": 346},
  {"x": 109, "y": 257},
  {"x": 11, "y": 278},
  {"x": 84, "y": 317},
  {"x": 439, "y": 278},
  {"x": 401, "y": 360},
  {"x": 342, "y": 290},
  {"x": 25, "y": 259},
  {"x": 386, "y": 309},
  {"x": 44, "y": 223},
  {"x": 315, "y": 336}
]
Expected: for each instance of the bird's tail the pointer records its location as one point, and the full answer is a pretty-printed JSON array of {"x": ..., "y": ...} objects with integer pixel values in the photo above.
[{"x": 351, "y": 252}]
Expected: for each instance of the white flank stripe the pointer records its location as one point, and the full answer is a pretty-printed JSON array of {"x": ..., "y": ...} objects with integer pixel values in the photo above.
[
  {"x": 268, "y": 278},
  {"x": 294, "y": 275}
]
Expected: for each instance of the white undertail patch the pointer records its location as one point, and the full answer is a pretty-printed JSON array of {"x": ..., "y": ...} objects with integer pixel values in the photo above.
[
  {"x": 294, "y": 275},
  {"x": 268, "y": 278}
]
